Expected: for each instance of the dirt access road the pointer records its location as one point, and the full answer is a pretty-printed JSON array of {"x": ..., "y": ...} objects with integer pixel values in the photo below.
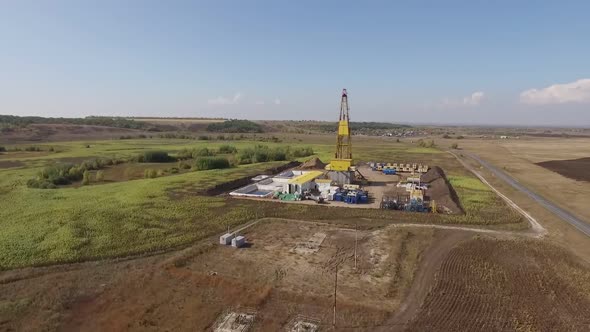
[{"x": 579, "y": 224}]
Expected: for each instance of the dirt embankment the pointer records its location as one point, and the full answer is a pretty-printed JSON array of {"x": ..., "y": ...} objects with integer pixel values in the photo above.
[
  {"x": 64, "y": 132},
  {"x": 441, "y": 190},
  {"x": 235, "y": 184},
  {"x": 313, "y": 163},
  {"x": 577, "y": 169}
]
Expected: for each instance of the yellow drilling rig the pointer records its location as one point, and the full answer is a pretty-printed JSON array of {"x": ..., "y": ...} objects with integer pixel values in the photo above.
[
  {"x": 343, "y": 157},
  {"x": 340, "y": 169}
]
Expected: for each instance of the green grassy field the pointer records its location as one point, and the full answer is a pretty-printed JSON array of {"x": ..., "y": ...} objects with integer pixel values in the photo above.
[{"x": 46, "y": 226}]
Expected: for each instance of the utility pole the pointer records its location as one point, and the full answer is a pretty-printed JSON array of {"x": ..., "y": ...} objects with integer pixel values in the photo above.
[
  {"x": 355, "y": 243},
  {"x": 335, "y": 288}
]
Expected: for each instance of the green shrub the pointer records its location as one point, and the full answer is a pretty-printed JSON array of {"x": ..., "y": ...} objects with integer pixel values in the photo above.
[
  {"x": 245, "y": 156},
  {"x": 261, "y": 156},
  {"x": 150, "y": 173},
  {"x": 86, "y": 178},
  {"x": 183, "y": 165},
  {"x": 32, "y": 148},
  {"x": 426, "y": 143},
  {"x": 100, "y": 176},
  {"x": 2, "y": 149},
  {"x": 205, "y": 163},
  {"x": 55, "y": 175},
  {"x": 40, "y": 184},
  {"x": 235, "y": 126},
  {"x": 203, "y": 138},
  {"x": 244, "y": 160},
  {"x": 154, "y": 157},
  {"x": 194, "y": 153},
  {"x": 262, "y": 153},
  {"x": 227, "y": 149},
  {"x": 202, "y": 152},
  {"x": 301, "y": 152},
  {"x": 455, "y": 146}
]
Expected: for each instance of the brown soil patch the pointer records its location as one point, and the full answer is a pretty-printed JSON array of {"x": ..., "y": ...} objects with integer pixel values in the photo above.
[
  {"x": 433, "y": 173},
  {"x": 499, "y": 285},
  {"x": 577, "y": 169},
  {"x": 190, "y": 289},
  {"x": 10, "y": 163},
  {"x": 313, "y": 163},
  {"x": 440, "y": 190},
  {"x": 441, "y": 245}
]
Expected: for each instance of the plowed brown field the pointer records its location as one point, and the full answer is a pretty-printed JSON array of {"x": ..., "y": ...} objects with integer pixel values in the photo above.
[
  {"x": 494, "y": 285},
  {"x": 577, "y": 169}
]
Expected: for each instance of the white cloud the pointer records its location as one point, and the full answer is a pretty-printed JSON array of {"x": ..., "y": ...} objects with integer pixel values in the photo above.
[
  {"x": 277, "y": 101},
  {"x": 260, "y": 102},
  {"x": 472, "y": 100},
  {"x": 226, "y": 101},
  {"x": 475, "y": 98},
  {"x": 575, "y": 92}
]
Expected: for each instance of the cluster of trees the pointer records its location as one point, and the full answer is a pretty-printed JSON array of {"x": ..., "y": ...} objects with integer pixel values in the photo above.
[
  {"x": 204, "y": 159},
  {"x": 205, "y": 163},
  {"x": 299, "y": 152},
  {"x": 28, "y": 148},
  {"x": 175, "y": 136},
  {"x": 227, "y": 149},
  {"x": 62, "y": 174},
  {"x": 52, "y": 176},
  {"x": 235, "y": 126},
  {"x": 426, "y": 143},
  {"x": 118, "y": 122},
  {"x": 154, "y": 157},
  {"x": 152, "y": 173},
  {"x": 262, "y": 153},
  {"x": 194, "y": 153},
  {"x": 99, "y": 163},
  {"x": 331, "y": 127},
  {"x": 449, "y": 136},
  {"x": 133, "y": 137},
  {"x": 205, "y": 152}
]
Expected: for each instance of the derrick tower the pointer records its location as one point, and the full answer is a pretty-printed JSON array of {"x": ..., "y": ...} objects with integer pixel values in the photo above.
[{"x": 343, "y": 157}]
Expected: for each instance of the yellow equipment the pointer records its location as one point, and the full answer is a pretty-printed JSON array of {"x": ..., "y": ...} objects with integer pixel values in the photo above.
[
  {"x": 417, "y": 194},
  {"x": 343, "y": 155}
]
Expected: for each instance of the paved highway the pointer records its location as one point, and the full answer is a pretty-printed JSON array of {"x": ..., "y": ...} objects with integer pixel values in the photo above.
[{"x": 581, "y": 225}]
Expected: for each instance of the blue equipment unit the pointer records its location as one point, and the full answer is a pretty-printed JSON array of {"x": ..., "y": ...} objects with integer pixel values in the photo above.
[{"x": 389, "y": 171}]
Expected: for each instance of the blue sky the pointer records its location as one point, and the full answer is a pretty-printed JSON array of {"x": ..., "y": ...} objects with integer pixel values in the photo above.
[{"x": 473, "y": 62}]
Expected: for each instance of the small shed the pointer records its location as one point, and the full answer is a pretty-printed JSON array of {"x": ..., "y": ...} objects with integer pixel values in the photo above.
[
  {"x": 226, "y": 239},
  {"x": 303, "y": 182},
  {"x": 238, "y": 241}
]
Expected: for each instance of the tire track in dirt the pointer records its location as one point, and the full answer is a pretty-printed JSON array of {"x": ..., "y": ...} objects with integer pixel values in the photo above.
[{"x": 431, "y": 260}]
